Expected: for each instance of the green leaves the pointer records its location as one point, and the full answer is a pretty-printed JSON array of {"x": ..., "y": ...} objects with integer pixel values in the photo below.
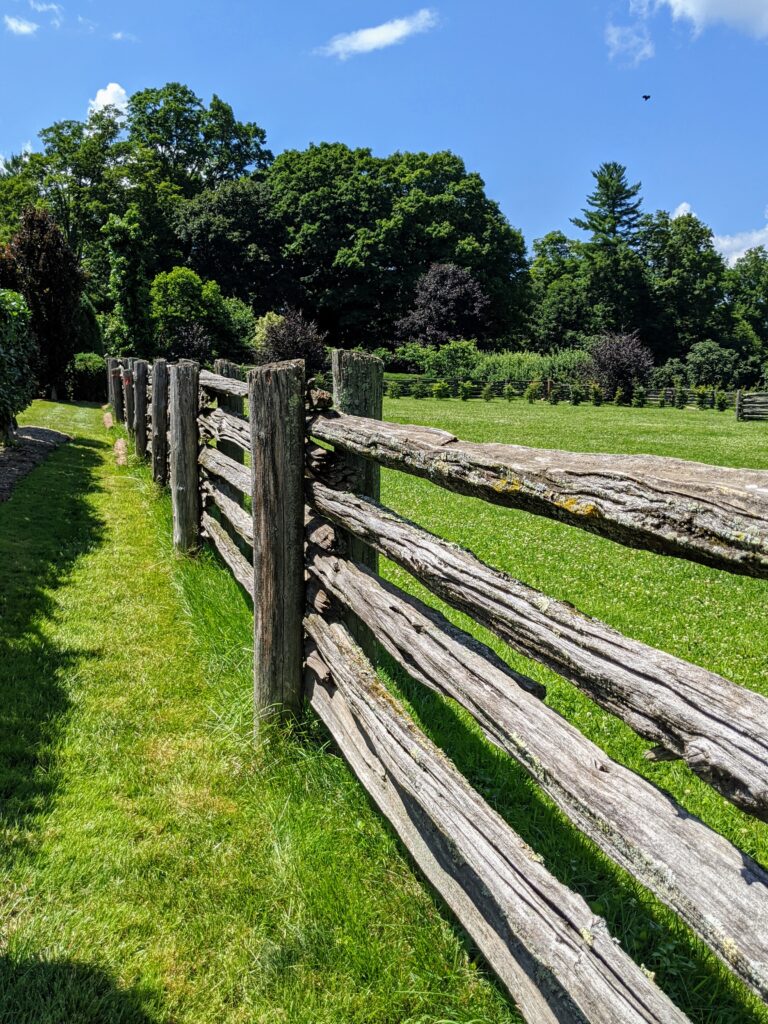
[{"x": 17, "y": 357}]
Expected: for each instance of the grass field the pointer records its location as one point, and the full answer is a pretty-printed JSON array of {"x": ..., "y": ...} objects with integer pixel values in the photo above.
[{"x": 157, "y": 869}]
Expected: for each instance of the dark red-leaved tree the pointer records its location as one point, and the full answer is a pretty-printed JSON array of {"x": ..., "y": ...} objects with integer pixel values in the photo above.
[
  {"x": 51, "y": 281},
  {"x": 293, "y": 336},
  {"x": 8, "y": 275},
  {"x": 449, "y": 304},
  {"x": 620, "y": 362}
]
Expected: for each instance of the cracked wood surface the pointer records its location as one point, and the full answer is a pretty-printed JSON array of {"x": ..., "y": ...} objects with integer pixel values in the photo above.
[
  {"x": 229, "y": 552},
  {"x": 709, "y": 514},
  {"x": 719, "y": 729},
  {"x": 720, "y": 892},
  {"x": 555, "y": 957}
]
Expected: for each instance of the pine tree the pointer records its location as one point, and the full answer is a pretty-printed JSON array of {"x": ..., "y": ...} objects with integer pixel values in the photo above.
[{"x": 613, "y": 209}]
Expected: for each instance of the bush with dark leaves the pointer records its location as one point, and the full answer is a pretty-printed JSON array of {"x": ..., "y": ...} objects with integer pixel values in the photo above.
[
  {"x": 620, "y": 361},
  {"x": 293, "y": 336}
]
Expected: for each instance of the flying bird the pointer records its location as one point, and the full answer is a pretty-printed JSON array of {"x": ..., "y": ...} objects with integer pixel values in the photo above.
[{"x": 646, "y": 98}]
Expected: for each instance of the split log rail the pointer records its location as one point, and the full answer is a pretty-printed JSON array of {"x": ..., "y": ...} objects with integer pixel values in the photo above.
[
  {"x": 752, "y": 405},
  {"x": 300, "y": 527}
]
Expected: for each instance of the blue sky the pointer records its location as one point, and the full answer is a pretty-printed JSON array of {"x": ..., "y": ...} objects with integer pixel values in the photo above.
[{"x": 533, "y": 94}]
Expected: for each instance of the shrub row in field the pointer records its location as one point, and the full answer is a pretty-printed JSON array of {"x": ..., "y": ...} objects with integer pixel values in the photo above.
[{"x": 555, "y": 392}]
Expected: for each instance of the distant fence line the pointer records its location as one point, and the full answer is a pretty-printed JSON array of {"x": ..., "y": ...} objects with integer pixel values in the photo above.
[
  {"x": 564, "y": 389},
  {"x": 301, "y": 528}
]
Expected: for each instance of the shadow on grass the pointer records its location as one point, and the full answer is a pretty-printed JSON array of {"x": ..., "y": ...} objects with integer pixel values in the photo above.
[
  {"x": 684, "y": 968},
  {"x": 46, "y": 525},
  {"x": 61, "y": 992}
]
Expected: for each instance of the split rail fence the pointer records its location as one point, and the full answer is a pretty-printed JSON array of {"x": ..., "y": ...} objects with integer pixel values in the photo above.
[
  {"x": 752, "y": 405},
  {"x": 300, "y": 526}
]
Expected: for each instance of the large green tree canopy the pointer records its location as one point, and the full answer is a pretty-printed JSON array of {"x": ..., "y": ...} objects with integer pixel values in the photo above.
[{"x": 361, "y": 231}]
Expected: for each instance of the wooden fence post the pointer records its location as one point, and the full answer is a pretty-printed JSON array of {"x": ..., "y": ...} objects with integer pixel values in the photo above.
[
  {"x": 235, "y": 405},
  {"x": 128, "y": 395},
  {"x": 117, "y": 392},
  {"x": 276, "y": 397},
  {"x": 160, "y": 422},
  {"x": 110, "y": 364},
  {"x": 140, "y": 376},
  {"x": 358, "y": 390},
  {"x": 185, "y": 491},
  {"x": 739, "y": 401}
]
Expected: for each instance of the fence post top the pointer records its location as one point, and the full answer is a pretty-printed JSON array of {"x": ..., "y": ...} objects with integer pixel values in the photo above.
[
  {"x": 285, "y": 366},
  {"x": 344, "y": 355}
]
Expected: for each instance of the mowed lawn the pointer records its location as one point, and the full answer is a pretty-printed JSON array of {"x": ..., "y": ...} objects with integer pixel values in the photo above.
[
  {"x": 157, "y": 868},
  {"x": 154, "y": 868}
]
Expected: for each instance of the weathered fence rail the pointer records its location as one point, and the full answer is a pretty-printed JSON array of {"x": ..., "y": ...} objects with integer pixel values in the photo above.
[
  {"x": 705, "y": 513},
  {"x": 752, "y": 405},
  {"x": 301, "y": 528}
]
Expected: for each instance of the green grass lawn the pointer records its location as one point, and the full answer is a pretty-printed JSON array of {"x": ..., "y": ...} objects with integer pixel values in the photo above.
[{"x": 157, "y": 868}]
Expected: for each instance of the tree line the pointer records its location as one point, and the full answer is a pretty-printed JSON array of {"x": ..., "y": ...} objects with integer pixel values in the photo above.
[{"x": 170, "y": 229}]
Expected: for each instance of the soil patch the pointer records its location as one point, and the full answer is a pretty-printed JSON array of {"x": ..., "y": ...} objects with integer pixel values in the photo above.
[{"x": 33, "y": 445}]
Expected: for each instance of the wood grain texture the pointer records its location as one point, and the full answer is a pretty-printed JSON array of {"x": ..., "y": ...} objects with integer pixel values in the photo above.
[
  {"x": 232, "y": 446},
  {"x": 230, "y": 432},
  {"x": 276, "y": 397},
  {"x": 358, "y": 389},
  {"x": 140, "y": 383},
  {"x": 239, "y": 566},
  {"x": 234, "y": 473},
  {"x": 128, "y": 397},
  {"x": 111, "y": 364},
  {"x": 720, "y": 892},
  {"x": 708, "y": 514},
  {"x": 118, "y": 398},
  {"x": 235, "y": 515},
  {"x": 159, "y": 421},
  {"x": 718, "y": 728},
  {"x": 231, "y": 404},
  {"x": 185, "y": 497},
  {"x": 555, "y": 957},
  {"x": 754, "y": 406},
  {"x": 223, "y": 385}
]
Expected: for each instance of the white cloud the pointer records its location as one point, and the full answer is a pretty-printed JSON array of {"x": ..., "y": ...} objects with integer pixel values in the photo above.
[
  {"x": 750, "y": 16},
  {"x": 365, "y": 40},
  {"x": 112, "y": 95},
  {"x": 55, "y": 10},
  {"x": 86, "y": 24},
  {"x": 630, "y": 43},
  {"x": 124, "y": 37},
  {"x": 20, "y": 26},
  {"x": 734, "y": 246},
  {"x": 682, "y": 210}
]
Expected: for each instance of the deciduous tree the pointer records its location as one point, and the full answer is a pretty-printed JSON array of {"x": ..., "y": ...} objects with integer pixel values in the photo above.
[
  {"x": 51, "y": 281},
  {"x": 448, "y": 304}
]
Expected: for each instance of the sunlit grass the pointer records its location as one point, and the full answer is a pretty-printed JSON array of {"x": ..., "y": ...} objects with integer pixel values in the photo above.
[{"x": 157, "y": 867}]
